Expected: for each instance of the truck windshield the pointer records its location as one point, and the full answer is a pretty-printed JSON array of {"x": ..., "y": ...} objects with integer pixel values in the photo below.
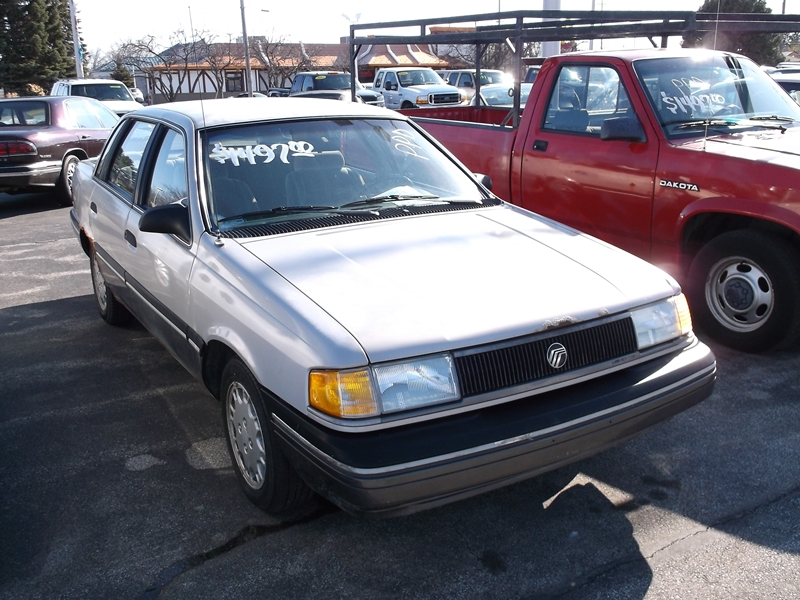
[
  {"x": 419, "y": 77},
  {"x": 303, "y": 169},
  {"x": 332, "y": 81},
  {"x": 726, "y": 91}
]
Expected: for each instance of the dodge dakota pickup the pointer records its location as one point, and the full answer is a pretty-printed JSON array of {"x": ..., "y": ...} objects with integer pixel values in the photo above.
[{"x": 688, "y": 158}]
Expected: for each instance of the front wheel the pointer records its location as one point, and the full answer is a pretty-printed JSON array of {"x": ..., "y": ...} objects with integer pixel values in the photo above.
[
  {"x": 64, "y": 186},
  {"x": 744, "y": 288},
  {"x": 264, "y": 473},
  {"x": 406, "y": 105}
]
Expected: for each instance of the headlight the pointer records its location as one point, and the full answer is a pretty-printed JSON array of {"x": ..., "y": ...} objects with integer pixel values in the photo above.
[
  {"x": 421, "y": 100},
  {"x": 662, "y": 322},
  {"x": 385, "y": 388}
]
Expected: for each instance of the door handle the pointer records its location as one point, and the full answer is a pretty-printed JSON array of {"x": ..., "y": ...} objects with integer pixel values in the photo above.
[
  {"x": 130, "y": 238},
  {"x": 540, "y": 145},
  {"x": 93, "y": 207}
]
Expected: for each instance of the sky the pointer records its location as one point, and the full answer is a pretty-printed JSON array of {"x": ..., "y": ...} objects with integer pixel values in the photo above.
[{"x": 320, "y": 21}]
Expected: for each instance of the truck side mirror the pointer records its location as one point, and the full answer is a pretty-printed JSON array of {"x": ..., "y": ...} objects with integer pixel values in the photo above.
[
  {"x": 622, "y": 128},
  {"x": 388, "y": 86}
]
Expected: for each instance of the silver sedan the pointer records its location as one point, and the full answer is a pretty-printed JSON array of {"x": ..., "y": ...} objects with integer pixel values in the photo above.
[{"x": 378, "y": 327}]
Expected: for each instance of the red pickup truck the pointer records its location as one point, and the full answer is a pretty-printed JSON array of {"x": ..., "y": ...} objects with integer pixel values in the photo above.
[{"x": 687, "y": 158}]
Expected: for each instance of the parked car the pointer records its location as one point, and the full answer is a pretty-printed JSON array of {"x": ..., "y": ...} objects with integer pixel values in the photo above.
[
  {"x": 465, "y": 79},
  {"x": 501, "y": 94},
  {"x": 412, "y": 87},
  {"x": 789, "y": 82},
  {"x": 112, "y": 93},
  {"x": 326, "y": 84},
  {"x": 378, "y": 327},
  {"x": 43, "y": 138}
]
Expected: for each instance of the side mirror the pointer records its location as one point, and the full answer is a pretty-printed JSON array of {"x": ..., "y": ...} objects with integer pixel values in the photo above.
[
  {"x": 139, "y": 100},
  {"x": 622, "y": 128},
  {"x": 171, "y": 219},
  {"x": 388, "y": 86},
  {"x": 484, "y": 180}
]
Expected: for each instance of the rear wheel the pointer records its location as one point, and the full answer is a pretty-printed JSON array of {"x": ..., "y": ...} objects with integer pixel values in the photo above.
[
  {"x": 112, "y": 311},
  {"x": 64, "y": 185},
  {"x": 264, "y": 473},
  {"x": 744, "y": 289}
]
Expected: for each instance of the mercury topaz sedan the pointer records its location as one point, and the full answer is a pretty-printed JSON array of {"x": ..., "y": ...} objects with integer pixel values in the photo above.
[{"x": 377, "y": 326}]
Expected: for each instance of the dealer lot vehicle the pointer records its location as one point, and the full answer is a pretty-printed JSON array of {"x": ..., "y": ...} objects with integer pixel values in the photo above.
[
  {"x": 379, "y": 328},
  {"x": 114, "y": 94},
  {"x": 326, "y": 84},
  {"x": 686, "y": 158},
  {"x": 412, "y": 87},
  {"x": 466, "y": 80},
  {"x": 43, "y": 138}
]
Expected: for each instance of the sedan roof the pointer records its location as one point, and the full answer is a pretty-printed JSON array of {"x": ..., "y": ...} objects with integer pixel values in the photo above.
[{"x": 213, "y": 113}]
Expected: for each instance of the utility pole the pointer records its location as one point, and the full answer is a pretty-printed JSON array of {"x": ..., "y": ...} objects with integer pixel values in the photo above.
[
  {"x": 248, "y": 86},
  {"x": 76, "y": 42}
]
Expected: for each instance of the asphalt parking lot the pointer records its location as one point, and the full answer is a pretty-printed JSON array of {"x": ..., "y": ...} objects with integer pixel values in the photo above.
[{"x": 116, "y": 482}]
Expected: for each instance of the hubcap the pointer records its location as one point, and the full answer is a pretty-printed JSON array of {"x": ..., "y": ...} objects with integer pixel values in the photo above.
[
  {"x": 246, "y": 436},
  {"x": 99, "y": 286},
  {"x": 739, "y": 294}
]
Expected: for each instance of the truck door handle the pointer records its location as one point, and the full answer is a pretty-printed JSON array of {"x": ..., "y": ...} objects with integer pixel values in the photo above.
[
  {"x": 93, "y": 207},
  {"x": 130, "y": 238},
  {"x": 540, "y": 145}
]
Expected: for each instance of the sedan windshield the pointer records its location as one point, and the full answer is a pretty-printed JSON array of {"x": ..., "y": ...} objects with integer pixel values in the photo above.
[
  {"x": 720, "y": 92},
  {"x": 296, "y": 169}
]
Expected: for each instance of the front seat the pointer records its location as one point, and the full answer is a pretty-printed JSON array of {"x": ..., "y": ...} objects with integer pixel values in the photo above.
[
  {"x": 233, "y": 197},
  {"x": 322, "y": 180}
]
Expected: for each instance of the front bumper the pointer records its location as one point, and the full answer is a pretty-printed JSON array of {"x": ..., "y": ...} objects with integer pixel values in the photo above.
[{"x": 407, "y": 469}]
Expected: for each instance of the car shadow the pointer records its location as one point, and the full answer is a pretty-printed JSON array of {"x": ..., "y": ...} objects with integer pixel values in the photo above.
[{"x": 12, "y": 205}]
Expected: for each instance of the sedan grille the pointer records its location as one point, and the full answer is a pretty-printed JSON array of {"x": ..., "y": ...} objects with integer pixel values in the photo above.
[
  {"x": 449, "y": 98},
  {"x": 480, "y": 372}
]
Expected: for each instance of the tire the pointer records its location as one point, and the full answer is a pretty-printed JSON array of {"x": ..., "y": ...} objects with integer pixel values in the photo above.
[
  {"x": 744, "y": 291},
  {"x": 406, "y": 105},
  {"x": 110, "y": 309},
  {"x": 64, "y": 185},
  {"x": 264, "y": 473}
]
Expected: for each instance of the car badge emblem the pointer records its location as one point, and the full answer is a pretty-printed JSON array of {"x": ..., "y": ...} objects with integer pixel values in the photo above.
[{"x": 557, "y": 355}]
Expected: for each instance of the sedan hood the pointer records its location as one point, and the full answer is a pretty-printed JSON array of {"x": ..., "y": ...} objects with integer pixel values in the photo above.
[{"x": 417, "y": 285}]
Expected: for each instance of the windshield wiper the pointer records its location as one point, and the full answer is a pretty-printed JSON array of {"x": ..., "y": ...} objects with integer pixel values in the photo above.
[
  {"x": 287, "y": 210},
  {"x": 771, "y": 118},
  {"x": 384, "y": 197},
  {"x": 704, "y": 123}
]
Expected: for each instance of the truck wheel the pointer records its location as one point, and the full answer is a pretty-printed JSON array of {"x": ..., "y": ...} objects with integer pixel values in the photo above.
[
  {"x": 744, "y": 290},
  {"x": 406, "y": 104},
  {"x": 264, "y": 473},
  {"x": 64, "y": 185},
  {"x": 112, "y": 311}
]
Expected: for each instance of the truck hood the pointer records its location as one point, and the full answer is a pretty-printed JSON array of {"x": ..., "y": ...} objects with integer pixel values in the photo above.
[
  {"x": 122, "y": 107},
  {"x": 765, "y": 145},
  {"x": 417, "y": 285}
]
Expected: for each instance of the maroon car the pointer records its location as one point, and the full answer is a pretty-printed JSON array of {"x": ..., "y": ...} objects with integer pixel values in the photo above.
[{"x": 43, "y": 138}]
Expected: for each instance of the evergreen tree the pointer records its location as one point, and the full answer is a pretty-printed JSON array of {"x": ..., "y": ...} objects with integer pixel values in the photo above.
[
  {"x": 764, "y": 48},
  {"x": 35, "y": 45}
]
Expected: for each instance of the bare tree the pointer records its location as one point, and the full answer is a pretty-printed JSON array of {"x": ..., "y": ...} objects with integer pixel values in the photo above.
[
  {"x": 219, "y": 56},
  {"x": 167, "y": 69},
  {"x": 281, "y": 60}
]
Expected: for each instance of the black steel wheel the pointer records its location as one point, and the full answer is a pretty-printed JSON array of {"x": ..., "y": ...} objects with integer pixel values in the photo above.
[{"x": 744, "y": 290}]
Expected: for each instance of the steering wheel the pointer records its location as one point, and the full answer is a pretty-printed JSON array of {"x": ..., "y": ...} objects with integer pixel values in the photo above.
[{"x": 731, "y": 109}]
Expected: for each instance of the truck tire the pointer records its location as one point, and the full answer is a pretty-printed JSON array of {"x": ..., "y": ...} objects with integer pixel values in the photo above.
[
  {"x": 744, "y": 291},
  {"x": 263, "y": 472},
  {"x": 406, "y": 105}
]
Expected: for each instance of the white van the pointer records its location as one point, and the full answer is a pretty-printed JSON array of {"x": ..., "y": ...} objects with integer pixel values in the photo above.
[{"x": 110, "y": 92}]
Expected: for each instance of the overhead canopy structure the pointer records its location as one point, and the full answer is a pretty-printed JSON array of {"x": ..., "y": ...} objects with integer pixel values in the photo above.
[{"x": 515, "y": 28}]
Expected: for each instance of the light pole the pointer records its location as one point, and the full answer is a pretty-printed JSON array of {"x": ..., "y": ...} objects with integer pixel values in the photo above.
[{"x": 247, "y": 84}]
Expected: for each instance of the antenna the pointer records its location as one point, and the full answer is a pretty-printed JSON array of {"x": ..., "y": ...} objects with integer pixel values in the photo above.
[
  {"x": 194, "y": 52},
  {"x": 716, "y": 25}
]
